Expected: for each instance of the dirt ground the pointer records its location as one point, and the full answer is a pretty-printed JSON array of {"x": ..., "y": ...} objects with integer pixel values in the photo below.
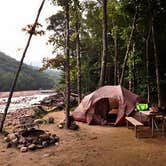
[{"x": 90, "y": 146}]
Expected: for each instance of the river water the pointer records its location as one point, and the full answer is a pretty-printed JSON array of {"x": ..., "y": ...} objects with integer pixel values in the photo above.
[{"x": 22, "y": 101}]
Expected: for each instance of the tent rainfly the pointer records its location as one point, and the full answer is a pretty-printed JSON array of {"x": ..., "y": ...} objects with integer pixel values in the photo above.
[{"x": 94, "y": 108}]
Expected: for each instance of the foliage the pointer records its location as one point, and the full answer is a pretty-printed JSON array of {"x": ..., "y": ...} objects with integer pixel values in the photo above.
[
  {"x": 28, "y": 76},
  {"x": 30, "y": 29},
  {"x": 120, "y": 16}
]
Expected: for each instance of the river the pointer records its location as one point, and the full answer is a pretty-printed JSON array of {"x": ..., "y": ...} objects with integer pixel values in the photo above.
[{"x": 23, "y": 101}]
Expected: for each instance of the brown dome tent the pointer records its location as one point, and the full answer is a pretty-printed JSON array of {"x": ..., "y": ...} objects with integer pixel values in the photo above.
[{"x": 95, "y": 107}]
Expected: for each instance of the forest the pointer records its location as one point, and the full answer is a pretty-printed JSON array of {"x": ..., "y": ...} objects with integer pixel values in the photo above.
[
  {"x": 29, "y": 76},
  {"x": 102, "y": 42}
]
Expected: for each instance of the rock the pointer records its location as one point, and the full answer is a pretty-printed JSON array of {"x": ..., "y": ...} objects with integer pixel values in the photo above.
[
  {"x": 60, "y": 126},
  {"x": 45, "y": 137},
  {"x": 45, "y": 143},
  {"x": 92, "y": 138},
  {"x": 50, "y": 120},
  {"x": 56, "y": 139},
  {"x": 35, "y": 141},
  {"x": 28, "y": 141},
  {"x": 46, "y": 155},
  {"x": 31, "y": 139},
  {"x": 57, "y": 143},
  {"x": 5, "y": 133},
  {"x": 24, "y": 149},
  {"x": 7, "y": 139},
  {"x": 14, "y": 124},
  {"x": 39, "y": 141},
  {"x": 52, "y": 141},
  {"x": 48, "y": 133},
  {"x": 22, "y": 140},
  {"x": 38, "y": 122},
  {"x": 20, "y": 146},
  {"x": 9, "y": 145},
  {"x": 15, "y": 141},
  {"x": 39, "y": 146},
  {"x": 9, "y": 123},
  {"x": 62, "y": 121},
  {"x": 12, "y": 136},
  {"x": 32, "y": 147}
]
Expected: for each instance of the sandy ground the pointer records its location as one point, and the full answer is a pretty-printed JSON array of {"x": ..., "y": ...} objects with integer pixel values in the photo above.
[{"x": 90, "y": 146}]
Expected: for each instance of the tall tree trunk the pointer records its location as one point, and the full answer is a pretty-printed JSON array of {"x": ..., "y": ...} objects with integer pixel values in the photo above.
[
  {"x": 104, "y": 40},
  {"x": 130, "y": 76},
  {"x": 128, "y": 48},
  {"x": 115, "y": 58},
  {"x": 77, "y": 27},
  {"x": 130, "y": 65},
  {"x": 155, "y": 54},
  {"x": 147, "y": 62},
  {"x": 156, "y": 64},
  {"x": 67, "y": 96},
  {"x": 118, "y": 68},
  {"x": 134, "y": 74},
  {"x": 78, "y": 65},
  {"x": 20, "y": 66}
]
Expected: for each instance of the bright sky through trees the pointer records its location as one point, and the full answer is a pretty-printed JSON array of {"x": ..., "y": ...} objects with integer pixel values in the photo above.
[{"x": 14, "y": 15}]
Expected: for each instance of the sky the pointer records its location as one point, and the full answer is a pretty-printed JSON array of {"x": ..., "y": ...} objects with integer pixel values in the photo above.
[{"x": 16, "y": 14}]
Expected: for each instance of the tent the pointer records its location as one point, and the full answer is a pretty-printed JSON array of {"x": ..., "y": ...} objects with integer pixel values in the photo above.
[{"x": 95, "y": 107}]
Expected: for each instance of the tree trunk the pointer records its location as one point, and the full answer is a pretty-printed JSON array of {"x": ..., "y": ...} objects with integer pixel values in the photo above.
[
  {"x": 67, "y": 78},
  {"x": 128, "y": 48},
  {"x": 147, "y": 62},
  {"x": 118, "y": 67},
  {"x": 104, "y": 40},
  {"x": 134, "y": 74},
  {"x": 115, "y": 58},
  {"x": 77, "y": 27},
  {"x": 131, "y": 67},
  {"x": 130, "y": 76},
  {"x": 155, "y": 54},
  {"x": 156, "y": 63},
  {"x": 20, "y": 66},
  {"x": 78, "y": 67}
]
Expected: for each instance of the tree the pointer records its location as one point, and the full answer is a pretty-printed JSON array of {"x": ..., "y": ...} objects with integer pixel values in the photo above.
[
  {"x": 67, "y": 56},
  {"x": 66, "y": 45},
  {"x": 128, "y": 48},
  {"x": 77, "y": 18},
  {"x": 155, "y": 53},
  {"x": 124, "y": 19},
  {"x": 104, "y": 40},
  {"x": 56, "y": 24},
  {"x": 156, "y": 63},
  {"x": 147, "y": 62}
]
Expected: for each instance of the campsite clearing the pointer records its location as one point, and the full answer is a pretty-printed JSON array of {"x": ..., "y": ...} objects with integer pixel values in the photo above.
[{"x": 90, "y": 146}]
